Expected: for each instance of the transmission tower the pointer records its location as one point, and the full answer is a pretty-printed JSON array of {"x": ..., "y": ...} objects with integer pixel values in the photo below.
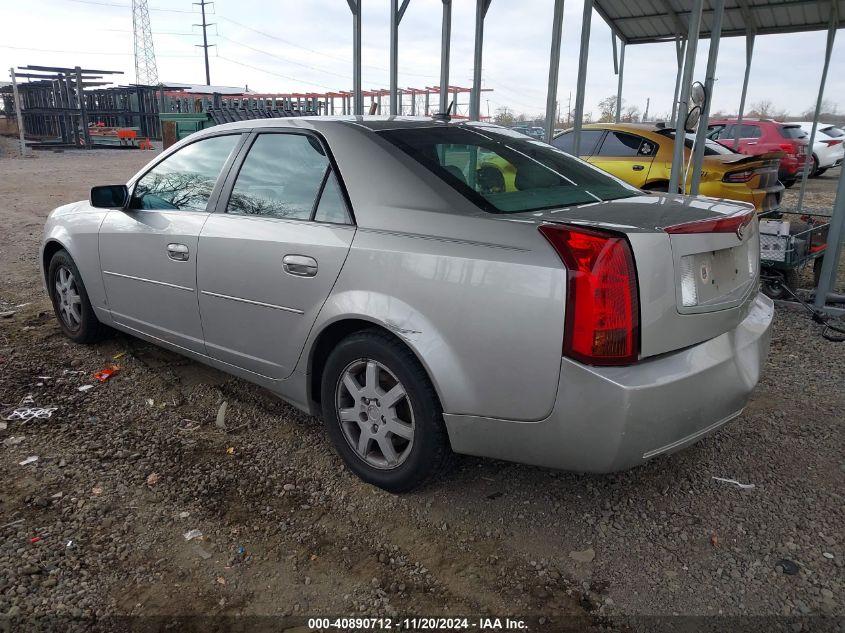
[{"x": 146, "y": 72}]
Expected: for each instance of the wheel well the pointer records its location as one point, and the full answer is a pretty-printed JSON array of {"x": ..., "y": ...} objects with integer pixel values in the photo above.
[
  {"x": 50, "y": 249},
  {"x": 657, "y": 185},
  {"x": 326, "y": 342}
]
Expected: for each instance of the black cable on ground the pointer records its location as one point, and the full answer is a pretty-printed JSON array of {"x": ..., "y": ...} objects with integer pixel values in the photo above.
[{"x": 817, "y": 315}]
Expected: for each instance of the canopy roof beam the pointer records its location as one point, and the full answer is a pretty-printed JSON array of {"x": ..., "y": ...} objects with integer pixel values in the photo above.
[
  {"x": 554, "y": 71},
  {"x": 675, "y": 180}
]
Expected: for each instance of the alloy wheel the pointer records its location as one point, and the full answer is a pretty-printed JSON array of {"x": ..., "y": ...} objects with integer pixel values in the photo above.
[
  {"x": 375, "y": 413},
  {"x": 68, "y": 299}
]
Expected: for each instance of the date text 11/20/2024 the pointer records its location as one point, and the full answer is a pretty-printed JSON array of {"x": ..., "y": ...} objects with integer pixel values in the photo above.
[{"x": 418, "y": 624}]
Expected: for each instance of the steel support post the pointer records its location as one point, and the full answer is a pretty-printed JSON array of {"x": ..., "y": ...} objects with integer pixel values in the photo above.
[
  {"x": 808, "y": 164},
  {"x": 683, "y": 103},
  {"x": 680, "y": 51},
  {"x": 396, "y": 13},
  {"x": 709, "y": 82},
  {"x": 621, "y": 71},
  {"x": 586, "y": 18},
  {"x": 445, "y": 45},
  {"x": 481, "y": 7},
  {"x": 835, "y": 238},
  {"x": 749, "y": 54},
  {"x": 554, "y": 71},
  {"x": 358, "y": 97},
  {"x": 18, "y": 110}
]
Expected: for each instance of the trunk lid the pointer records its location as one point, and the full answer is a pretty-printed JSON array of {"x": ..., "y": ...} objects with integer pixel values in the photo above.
[{"x": 697, "y": 280}]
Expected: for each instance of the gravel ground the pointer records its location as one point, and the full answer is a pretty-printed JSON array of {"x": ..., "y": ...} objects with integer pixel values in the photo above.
[{"x": 95, "y": 527}]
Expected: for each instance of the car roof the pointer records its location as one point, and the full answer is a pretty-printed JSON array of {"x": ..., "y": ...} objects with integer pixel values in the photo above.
[{"x": 370, "y": 122}]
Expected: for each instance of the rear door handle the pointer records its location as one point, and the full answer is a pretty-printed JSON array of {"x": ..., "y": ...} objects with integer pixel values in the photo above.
[
  {"x": 178, "y": 252},
  {"x": 300, "y": 265},
  {"x": 638, "y": 168}
]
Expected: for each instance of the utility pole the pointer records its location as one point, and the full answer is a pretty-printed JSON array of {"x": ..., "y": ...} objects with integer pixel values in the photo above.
[
  {"x": 204, "y": 46},
  {"x": 645, "y": 114}
]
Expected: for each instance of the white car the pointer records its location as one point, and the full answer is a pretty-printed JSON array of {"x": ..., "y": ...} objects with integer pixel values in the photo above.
[{"x": 829, "y": 148}]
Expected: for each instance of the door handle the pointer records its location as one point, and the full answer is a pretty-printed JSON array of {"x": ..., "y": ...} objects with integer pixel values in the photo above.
[
  {"x": 638, "y": 168},
  {"x": 178, "y": 252},
  {"x": 300, "y": 265}
]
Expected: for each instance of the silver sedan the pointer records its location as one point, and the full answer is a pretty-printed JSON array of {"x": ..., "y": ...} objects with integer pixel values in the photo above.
[{"x": 427, "y": 288}]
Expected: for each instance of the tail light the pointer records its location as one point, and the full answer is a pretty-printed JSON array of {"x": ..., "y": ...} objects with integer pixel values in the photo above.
[
  {"x": 739, "y": 176},
  {"x": 832, "y": 142},
  {"x": 734, "y": 223},
  {"x": 789, "y": 148},
  {"x": 602, "y": 303}
]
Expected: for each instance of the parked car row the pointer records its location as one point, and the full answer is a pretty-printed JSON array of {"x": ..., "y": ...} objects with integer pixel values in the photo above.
[{"x": 641, "y": 154}]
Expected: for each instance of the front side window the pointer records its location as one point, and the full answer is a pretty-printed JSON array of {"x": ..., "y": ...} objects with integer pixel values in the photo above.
[
  {"x": 503, "y": 173},
  {"x": 185, "y": 179},
  {"x": 281, "y": 177}
]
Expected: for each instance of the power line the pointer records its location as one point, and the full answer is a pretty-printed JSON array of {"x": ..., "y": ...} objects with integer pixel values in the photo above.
[
  {"x": 57, "y": 50},
  {"x": 126, "y": 6},
  {"x": 270, "y": 72}
]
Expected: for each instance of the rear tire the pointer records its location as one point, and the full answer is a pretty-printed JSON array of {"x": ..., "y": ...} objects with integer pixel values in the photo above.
[
  {"x": 788, "y": 183},
  {"x": 382, "y": 413},
  {"x": 819, "y": 172},
  {"x": 70, "y": 300},
  {"x": 814, "y": 168},
  {"x": 657, "y": 186}
]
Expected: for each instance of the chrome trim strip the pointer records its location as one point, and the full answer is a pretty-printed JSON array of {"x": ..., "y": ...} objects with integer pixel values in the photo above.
[
  {"x": 693, "y": 437},
  {"x": 149, "y": 281},
  {"x": 251, "y": 302}
]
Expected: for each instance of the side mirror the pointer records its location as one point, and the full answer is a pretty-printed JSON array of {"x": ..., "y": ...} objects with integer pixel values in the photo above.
[
  {"x": 109, "y": 196},
  {"x": 693, "y": 117}
]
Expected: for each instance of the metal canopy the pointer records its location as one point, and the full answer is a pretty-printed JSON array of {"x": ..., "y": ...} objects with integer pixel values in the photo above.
[{"x": 646, "y": 21}]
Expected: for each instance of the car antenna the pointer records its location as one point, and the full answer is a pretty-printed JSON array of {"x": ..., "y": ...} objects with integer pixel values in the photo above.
[{"x": 445, "y": 116}]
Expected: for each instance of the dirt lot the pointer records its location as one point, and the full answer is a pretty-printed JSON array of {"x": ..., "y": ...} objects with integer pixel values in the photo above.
[{"x": 94, "y": 528}]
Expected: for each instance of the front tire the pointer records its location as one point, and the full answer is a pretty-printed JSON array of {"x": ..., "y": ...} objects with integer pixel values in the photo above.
[
  {"x": 70, "y": 300},
  {"x": 382, "y": 413}
]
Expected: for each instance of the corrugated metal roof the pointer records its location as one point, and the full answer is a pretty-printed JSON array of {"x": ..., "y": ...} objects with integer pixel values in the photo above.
[
  {"x": 229, "y": 115},
  {"x": 643, "y": 21}
]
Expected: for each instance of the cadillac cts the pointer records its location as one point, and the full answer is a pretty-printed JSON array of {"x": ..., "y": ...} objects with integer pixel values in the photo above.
[{"x": 377, "y": 273}]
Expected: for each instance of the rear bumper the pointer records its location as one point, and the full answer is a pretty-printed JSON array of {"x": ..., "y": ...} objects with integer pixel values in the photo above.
[{"x": 607, "y": 419}]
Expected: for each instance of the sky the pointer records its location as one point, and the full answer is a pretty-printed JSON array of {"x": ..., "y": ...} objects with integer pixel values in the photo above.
[{"x": 286, "y": 46}]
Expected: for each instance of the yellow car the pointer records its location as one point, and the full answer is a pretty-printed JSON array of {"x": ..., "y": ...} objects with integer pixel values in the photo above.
[{"x": 641, "y": 154}]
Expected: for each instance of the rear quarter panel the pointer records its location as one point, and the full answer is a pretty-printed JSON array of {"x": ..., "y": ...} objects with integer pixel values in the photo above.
[{"x": 486, "y": 321}]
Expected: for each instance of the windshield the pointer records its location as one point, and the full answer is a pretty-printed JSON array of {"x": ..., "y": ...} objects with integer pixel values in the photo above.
[{"x": 502, "y": 171}]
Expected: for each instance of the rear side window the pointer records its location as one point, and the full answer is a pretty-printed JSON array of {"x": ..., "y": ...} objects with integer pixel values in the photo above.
[
  {"x": 184, "y": 180},
  {"x": 331, "y": 207},
  {"x": 280, "y": 177},
  {"x": 748, "y": 131},
  {"x": 623, "y": 144},
  {"x": 792, "y": 131},
  {"x": 589, "y": 140},
  {"x": 503, "y": 172}
]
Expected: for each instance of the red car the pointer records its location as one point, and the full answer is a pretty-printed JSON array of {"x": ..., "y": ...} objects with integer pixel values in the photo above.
[{"x": 761, "y": 136}]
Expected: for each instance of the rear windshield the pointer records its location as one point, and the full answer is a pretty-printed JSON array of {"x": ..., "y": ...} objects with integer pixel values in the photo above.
[
  {"x": 710, "y": 147},
  {"x": 834, "y": 132},
  {"x": 792, "y": 131},
  {"x": 502, "y": 171}
]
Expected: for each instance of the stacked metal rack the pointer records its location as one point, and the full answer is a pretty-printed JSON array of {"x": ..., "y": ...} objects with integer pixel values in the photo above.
[{"x": 58, "y": 105}]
